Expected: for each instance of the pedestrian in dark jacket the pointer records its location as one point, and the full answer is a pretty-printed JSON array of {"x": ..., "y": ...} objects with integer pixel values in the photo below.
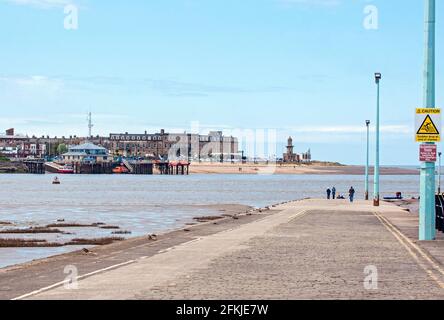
[
  {"x": 328, "y": 194},
  {"x": 351, "y": 193},
  {"x": 333, "y": 193}
]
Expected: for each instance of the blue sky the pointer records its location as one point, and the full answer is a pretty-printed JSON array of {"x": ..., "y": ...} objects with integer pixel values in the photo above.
[{"x": 301, "y": 67}]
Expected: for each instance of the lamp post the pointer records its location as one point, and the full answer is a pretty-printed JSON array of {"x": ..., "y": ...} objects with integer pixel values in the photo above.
[
  {"x": 427, "y": 230},
  {"x": 367, "y": 122},
  {"x": 378, "y": 77}
]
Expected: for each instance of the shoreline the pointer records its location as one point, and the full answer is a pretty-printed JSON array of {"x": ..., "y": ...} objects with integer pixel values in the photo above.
[{"x": 220, "y": 211}]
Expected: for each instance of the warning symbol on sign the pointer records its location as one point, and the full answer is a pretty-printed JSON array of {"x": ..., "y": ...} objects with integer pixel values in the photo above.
[{"x": 428, "y": 127}]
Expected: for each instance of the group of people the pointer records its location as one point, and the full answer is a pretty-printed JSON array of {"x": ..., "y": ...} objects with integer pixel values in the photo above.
[{"x": 331, "y": 194}]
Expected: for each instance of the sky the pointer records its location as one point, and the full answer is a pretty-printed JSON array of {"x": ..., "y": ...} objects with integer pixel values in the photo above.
[{"x": 300, "y": 68}]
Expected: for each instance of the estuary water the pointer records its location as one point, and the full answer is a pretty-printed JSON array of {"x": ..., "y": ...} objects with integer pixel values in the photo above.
[{"x": 153, "y": 204}]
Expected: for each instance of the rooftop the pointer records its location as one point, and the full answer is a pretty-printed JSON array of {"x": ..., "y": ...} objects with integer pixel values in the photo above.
[{"x": 85, "y": 146}]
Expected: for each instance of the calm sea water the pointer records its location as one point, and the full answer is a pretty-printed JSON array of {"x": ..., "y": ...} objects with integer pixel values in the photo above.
[{"x": 152, "y": 204}]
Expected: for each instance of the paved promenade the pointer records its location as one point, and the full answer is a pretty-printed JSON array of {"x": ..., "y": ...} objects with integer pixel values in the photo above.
[{"x": 311, "y": 249}]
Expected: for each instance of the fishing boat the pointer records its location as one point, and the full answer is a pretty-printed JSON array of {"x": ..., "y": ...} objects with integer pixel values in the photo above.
[{"x": 66, "y": 169}]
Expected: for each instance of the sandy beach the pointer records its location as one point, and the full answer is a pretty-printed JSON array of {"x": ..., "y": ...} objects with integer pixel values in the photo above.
[{"x": 315, "y": 169}]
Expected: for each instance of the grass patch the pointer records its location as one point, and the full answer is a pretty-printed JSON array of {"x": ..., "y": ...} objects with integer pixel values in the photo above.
[
  {"x": 109, "y": 227},
  {"x": 94, "y": 242},
  {"x": 206, "y": 219},
  {"x": 36, "y": 230},
  {"x": 4, "y": 159},
  {"x": 27, "y": 243},
  {"x": 71, "y": 225}
]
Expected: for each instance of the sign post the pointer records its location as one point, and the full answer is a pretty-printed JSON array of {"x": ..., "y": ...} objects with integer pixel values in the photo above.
[
  {"x": 427, "y": 228},
  {"x": 428, "y": 132}
]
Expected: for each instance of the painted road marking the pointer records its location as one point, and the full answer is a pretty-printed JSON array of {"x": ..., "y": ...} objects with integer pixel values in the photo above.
[
  {"x": 411, "y": 247},
  {"x": 61, "y": 283},
  {"x": 180, "y": 245},
  {"x": 300, "y": 214}
]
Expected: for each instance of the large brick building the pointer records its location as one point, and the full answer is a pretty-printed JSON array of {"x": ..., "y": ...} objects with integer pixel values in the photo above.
[{"x": 214, "y": 146}]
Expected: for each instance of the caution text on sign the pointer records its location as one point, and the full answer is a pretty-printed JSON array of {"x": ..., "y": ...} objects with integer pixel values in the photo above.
[{"x": 428, "y": 125}]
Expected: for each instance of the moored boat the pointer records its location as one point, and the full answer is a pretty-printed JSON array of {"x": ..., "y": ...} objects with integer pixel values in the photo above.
[
  {"x": 66, "y": 169},
  {"x": 120, "y": 170}
]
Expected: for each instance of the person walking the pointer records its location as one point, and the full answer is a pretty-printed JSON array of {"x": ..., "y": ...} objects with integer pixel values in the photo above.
[
  {"x": 333, "y": 193},
  {"x": 351, "y": 193},
  {"x": 328, "y": 194}
]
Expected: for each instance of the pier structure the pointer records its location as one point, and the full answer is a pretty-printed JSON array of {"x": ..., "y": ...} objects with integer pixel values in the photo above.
[
  {"x": 179, "y": 168},
  {"x": 173, "y": 167},
  {"x": 35, "y": 166},
  {"x": 133, "y": 167}
]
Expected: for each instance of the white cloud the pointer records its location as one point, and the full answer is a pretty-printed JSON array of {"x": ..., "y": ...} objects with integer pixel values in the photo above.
[
  {"x": 43, "y": 4},
  {"x": 31, "y": 82},
  {"x": 326, "y": 3},
  {"x": 344, "y": 129}
]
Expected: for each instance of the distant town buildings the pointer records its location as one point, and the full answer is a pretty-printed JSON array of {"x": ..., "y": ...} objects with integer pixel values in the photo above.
[
  {"x": 214, "y": 147},
  {"x": 20, "y": 146},
  {"x": 176, "y": 146},
  {"x": 166, "y": 146},
  {"x": 292, "y": 157}
]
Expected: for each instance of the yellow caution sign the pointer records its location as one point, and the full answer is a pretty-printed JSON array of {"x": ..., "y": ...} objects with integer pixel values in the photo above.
[
  {"x": 428, "y": 124},
  {"x": 428, "y": 127}
]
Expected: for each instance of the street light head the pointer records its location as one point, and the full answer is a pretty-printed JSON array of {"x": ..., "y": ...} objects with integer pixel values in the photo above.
[
  {"x": 378, "y": 76},
  {"x": 367, "y": 122}
]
